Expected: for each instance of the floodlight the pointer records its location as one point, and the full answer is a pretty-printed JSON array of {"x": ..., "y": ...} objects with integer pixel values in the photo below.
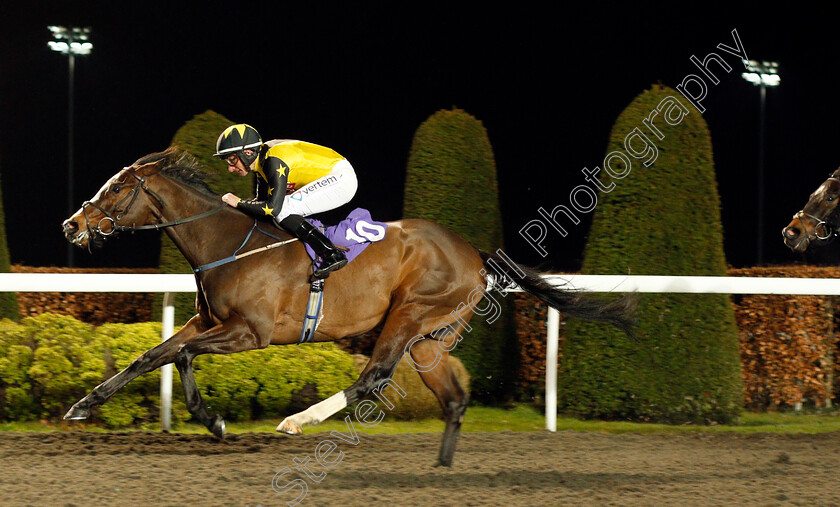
[
  {"x": 762, "y": 73},
  {"x": 71, "y": 42}
]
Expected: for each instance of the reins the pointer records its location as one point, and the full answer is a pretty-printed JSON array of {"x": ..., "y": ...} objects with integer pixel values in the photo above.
[
  {"x": 141, "y": 184},
  {"x": 236, "y": 255},
  {"x": 157, "y": 227}
]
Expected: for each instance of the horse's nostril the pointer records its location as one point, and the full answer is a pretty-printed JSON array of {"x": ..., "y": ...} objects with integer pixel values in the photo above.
[
  {"x": 792, "y": 232},
  {"x": 70, "y": 226}
]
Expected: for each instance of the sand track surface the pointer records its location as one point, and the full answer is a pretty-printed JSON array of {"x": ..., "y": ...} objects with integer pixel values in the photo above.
[{"x": 503, "y": 469}]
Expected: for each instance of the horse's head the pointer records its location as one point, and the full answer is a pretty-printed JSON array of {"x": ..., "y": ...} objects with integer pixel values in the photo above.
[
  {"x": 124, "y": 201},
  {"x": 818, "y": 220}
]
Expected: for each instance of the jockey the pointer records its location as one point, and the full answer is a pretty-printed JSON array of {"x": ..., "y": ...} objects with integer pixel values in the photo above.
[{"x": 294, "y": 179}]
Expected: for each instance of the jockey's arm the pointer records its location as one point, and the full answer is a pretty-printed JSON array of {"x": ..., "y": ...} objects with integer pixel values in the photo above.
[{"x": 270, "y": 193}]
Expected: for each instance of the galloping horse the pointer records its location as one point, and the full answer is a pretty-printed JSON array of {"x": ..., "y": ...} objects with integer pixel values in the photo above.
[
  {"x": 818, "y": 221},
  {"x": 413, "y": 283}
]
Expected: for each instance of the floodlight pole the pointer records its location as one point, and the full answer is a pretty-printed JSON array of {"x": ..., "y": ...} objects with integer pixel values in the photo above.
[
  {"x": 71, "y": 59},
  {"x": 762, "y": 74},
  {"x": 759, "y": 253},
  {"x": 71, "y": 41}
]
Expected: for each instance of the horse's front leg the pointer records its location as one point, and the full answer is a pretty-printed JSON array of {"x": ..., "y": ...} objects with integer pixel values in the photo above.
[
  {"x": 232, "y": 335},
  {"x": 150, "y": 360}
]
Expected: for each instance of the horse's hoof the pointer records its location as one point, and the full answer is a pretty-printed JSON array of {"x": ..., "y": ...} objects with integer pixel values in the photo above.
[
  {"x": 289, "y": 427},
  {"x": 218, "y": 427},
  {"x": 77, "y": 413}
]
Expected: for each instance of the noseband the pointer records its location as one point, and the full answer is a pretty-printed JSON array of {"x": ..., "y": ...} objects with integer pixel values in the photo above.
[
  {"x": 826, "y": 228},
  {"x": 131, "y": 197}
]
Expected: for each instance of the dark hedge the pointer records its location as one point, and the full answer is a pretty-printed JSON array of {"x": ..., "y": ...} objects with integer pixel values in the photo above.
[
  {"x": 451, "y": 179},
  {"x": 8, "y": 300},
  {"x": 658, "y": 220}
]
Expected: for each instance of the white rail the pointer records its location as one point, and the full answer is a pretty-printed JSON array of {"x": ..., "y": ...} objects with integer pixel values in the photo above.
[
  {"x": 664, "y": 284},
  {"x": 66, "y": 282},
  {"x": 699, "y": 284},
  {"x": 95, "y": 282}
]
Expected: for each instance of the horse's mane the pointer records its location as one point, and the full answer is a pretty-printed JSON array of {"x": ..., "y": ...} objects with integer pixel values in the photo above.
[{"x": 181, "y": 166}]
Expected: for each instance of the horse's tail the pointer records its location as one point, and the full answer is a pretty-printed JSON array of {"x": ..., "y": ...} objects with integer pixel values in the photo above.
[{"x": 618, "y": 312}]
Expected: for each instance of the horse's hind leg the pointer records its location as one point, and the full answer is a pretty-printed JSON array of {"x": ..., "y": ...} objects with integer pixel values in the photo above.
[
  {"x": 232, "y": 335},
  {"x": 149, "y": 361},
  {"x": 399, "y": 328},
  {"x": 443, "y": 382}
]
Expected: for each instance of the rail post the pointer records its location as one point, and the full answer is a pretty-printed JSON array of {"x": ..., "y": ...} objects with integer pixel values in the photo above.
[
  {"x": 552, "y": 337},
  {"x": 167, "y": 330}
]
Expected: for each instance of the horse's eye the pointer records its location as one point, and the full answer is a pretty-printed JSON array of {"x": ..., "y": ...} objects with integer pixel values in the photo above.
[
  {"x": 116, "y": 189},
  {"x": 830, "y": 198}
]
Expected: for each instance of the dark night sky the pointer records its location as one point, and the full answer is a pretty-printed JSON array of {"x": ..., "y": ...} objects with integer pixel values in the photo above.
[{"x": 547, "y": 86}]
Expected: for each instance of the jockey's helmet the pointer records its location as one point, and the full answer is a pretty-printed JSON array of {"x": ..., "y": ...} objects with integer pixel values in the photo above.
[{"x": 236, "y": 139}]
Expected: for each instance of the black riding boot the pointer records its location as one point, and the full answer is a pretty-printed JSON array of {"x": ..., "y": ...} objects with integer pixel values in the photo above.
[{"x": 332, "y": 258}]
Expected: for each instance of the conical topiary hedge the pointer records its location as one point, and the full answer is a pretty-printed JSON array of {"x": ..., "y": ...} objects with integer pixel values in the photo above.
[
  {"x": 451, "y": 180},
  {"x": 659, "y": 216},
  {"x": 8, "y": 300}
]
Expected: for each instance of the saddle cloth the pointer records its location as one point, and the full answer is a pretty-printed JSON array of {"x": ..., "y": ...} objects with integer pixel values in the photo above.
[{"x": 354, "y": 233}]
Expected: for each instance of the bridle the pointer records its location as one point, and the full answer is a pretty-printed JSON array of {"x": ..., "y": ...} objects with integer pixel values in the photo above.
[
  {"x": 828, "y": 231},
  {"x": 131, "y": 197},
  {"x": 109, "y": 217}
]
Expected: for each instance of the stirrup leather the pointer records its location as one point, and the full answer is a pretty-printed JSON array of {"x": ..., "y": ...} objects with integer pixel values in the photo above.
[{"x": 313, "y": 315}]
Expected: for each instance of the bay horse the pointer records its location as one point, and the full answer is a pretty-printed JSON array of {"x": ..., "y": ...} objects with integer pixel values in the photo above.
[
  {"x": 818, "y": 221},
  {"x": 412, "y": 283}
]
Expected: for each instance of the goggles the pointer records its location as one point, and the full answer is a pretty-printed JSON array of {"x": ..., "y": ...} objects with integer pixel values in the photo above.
[{"x": 230, "y": 159}]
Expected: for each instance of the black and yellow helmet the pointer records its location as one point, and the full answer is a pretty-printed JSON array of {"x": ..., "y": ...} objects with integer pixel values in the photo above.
[{"x": 236, "y": 139}]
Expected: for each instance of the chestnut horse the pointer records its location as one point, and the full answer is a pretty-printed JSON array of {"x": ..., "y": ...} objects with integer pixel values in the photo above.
[
  {"x": 818, "y": 221},
  {"x": 413, "y": 283}
]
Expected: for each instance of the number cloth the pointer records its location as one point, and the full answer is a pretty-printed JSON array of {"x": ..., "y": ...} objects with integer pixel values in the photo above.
[{"x": 356, "y": 232}]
